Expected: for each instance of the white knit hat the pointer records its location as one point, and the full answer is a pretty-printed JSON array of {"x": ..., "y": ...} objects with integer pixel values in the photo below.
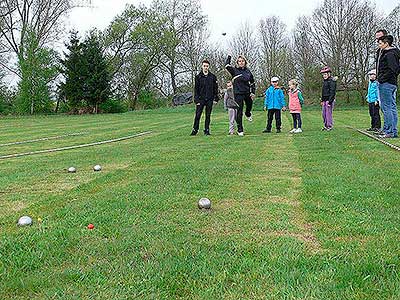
[
  {"x": 274, "y": 79},
  {"x": 372, "y": 72}
]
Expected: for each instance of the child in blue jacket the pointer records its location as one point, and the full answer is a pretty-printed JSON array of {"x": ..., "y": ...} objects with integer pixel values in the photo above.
[
  {"x": 373, "y": 102},
  {"x": 274, "y": 103}
]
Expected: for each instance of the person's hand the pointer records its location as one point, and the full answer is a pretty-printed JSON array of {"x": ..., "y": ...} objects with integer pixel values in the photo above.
[
  {"x": 198, "y": 104},
  {"x": 376, "y": 103},
  {"x": 265, "y": 109},
  {"x": 215, "y": 102},
  {"x": 284, "y": 108},
  {"x": 252, "y": 96},
  {"x": 322, "y": 103},
  {"x": 328, "y": 104}
]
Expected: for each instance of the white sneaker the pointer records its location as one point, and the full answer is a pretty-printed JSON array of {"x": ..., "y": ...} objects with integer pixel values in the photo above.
[
  {"x": 293, "y": 130},
  {"x": 298, "y": 130},
  {"x": 250, "y": 119},
  {"x": 240, "y": 133}
]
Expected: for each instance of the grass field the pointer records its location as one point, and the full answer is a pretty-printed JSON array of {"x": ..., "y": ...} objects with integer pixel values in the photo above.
[{"x": 310, "y": 216}]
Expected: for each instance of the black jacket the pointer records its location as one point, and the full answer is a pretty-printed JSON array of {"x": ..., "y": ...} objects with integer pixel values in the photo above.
[
  {"x": 205, "y": 88},
  {"x": 388, "y": 66},
  {"x": 243, "y": 80},
  {"x": 329, "y": 90}
]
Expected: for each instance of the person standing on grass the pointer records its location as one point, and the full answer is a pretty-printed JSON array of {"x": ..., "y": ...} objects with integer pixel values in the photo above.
[
  {"x": 373, "y": 102},
  {"x": 296, "y": 102},
  {"x": 274, "y": 103},
  {"x": 328, "y": 98},
  {"x": 205, "y": 95},
  {"x": 244, "y": 89},
  {"x": 388, "y": 71},
  {"x": 231, "y": 105}
]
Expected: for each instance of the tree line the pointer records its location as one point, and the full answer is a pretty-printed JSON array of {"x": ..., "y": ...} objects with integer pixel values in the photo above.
[{"x": 149, "y": 54}]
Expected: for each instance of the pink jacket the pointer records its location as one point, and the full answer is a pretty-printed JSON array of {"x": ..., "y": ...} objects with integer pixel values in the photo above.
[{"x": 295, "y": 101}]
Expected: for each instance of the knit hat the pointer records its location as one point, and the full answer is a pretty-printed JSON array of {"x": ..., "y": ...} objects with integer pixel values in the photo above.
[
  {"x": 372, "y": 72},
  {"x": 274, "y": 79}
]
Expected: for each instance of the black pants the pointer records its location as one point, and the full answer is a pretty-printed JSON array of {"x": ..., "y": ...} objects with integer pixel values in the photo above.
[
  {"x": 241, "y": 100},
  {"x": 296, "y": 120},
  {"x": 271, "y": 113},
  {"x": 199, "y": 110},
  {"x": 375, "y": 116}
]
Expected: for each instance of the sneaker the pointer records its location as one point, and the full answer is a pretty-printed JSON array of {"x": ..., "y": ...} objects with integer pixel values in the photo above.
[
  {"x": 379, "y": 132},
  {"x": 194, "y": 132},
  {"x": 231, "y": 133},
  {"x": 278, "y": 131},
  {"x": 370, "y": 129},
  {"x": 329, "y": 129},
  {"x": 250, "y": 119},
  {"x": 324, "y": 129},
  {"x": 240, "y": 133},
  {"x": 207, "y": 132},
  {"x": 266, "y": 131},
  {"x": 298, "y": 130},
  {"x": 293, "y": 130}
]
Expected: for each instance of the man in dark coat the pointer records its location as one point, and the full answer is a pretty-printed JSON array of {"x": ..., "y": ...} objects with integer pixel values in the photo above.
[{"x": 205, "y": 94}]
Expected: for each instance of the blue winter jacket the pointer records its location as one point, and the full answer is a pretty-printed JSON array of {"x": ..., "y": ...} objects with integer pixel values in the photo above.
[
  {"x": 274, "y": 98},
  {"x": 372, "y": 91}
]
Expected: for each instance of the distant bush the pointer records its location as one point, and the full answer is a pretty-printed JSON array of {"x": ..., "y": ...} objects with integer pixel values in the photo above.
[
  {"x": 148, "y": 100},
  {"x": 113, "y": 106}
]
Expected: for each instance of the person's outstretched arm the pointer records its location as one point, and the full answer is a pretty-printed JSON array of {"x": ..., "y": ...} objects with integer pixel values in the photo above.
[{"x": 228, "y": 66}]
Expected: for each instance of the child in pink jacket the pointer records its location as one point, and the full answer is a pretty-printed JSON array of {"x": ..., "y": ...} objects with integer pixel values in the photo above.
[{"x": 296, "y": 101}]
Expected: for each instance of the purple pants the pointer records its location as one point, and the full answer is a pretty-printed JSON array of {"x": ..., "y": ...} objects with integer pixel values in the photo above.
[{"x": 327, "y": 114}]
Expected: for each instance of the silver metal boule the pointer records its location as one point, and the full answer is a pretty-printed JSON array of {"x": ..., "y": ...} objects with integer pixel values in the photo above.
[
  {"x": 25, "y": 221},
  {"x": 97, "y": 168},
  {"x": 72, "y": 170},
  {"x": 204, "y": 203}
]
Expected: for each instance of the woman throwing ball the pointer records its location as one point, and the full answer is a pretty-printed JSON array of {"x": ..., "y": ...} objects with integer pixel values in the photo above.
[{"x": 244, "y": 89}]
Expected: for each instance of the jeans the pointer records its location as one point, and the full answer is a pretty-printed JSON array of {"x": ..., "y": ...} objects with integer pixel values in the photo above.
[{"x": 387, "y": 94}]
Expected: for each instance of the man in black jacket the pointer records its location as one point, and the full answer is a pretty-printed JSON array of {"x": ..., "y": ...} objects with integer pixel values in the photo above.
[
  {"x": 388, "y": 71},
  {"x": 205, "y": 94}
]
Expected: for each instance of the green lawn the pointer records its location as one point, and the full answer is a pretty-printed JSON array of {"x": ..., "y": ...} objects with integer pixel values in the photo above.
[{"x": 309, "y": 216}]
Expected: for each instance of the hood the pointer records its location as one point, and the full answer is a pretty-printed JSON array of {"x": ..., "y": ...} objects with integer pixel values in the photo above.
[{"x": 395, "y": 50}]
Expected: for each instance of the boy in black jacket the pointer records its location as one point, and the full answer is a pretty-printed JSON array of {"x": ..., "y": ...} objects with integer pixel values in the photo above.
[{"x": 205, "y": 94}]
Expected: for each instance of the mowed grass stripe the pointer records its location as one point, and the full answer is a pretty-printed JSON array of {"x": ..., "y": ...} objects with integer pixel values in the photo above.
[{"x": 168, "y": 240}]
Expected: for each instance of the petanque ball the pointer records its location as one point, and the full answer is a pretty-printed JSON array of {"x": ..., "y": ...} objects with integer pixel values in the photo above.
[
  {"x": 204, "y": 203},
  {"x": 72, "y": 170},
  {"x": 97, "y": 168},
  {"x": 25, "y": 221}
]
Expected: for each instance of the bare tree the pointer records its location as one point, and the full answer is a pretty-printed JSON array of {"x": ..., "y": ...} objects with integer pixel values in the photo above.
[
  {"x": 41, "y": 17},
  {"x": 362, "y": 45},
  {"x": 244, "y": 42},
  {"x": 392, "y": 23},
  {"x": 275, "y": 50},
  {"x": 183, "y": 18}
]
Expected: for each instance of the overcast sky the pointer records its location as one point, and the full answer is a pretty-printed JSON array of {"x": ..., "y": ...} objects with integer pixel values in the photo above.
[{"x": 223, "y": 15}]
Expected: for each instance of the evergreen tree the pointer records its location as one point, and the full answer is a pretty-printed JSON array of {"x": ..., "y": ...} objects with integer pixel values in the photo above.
[
  {"x": 97, "y": 76},
  {"x": 73, "y": 71}
]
